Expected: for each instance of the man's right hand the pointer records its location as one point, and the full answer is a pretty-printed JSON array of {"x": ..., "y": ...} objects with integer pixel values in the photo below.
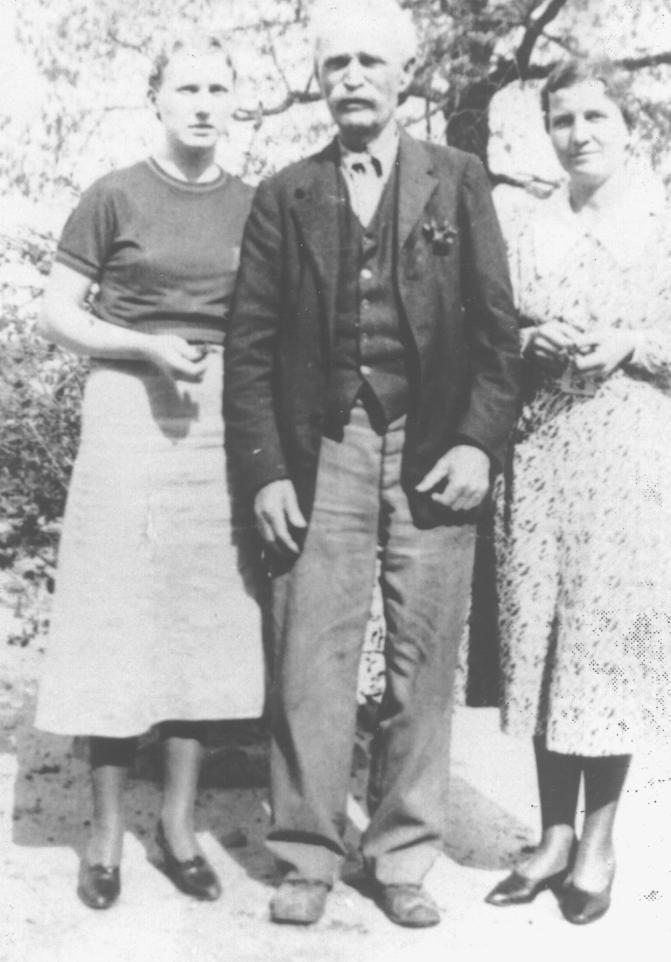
[{"x": 277, "y": 512}]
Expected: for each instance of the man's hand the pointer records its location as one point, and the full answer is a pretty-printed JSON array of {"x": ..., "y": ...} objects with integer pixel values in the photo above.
[
  {"x": 606, "y": 352},
  {"x": 276, "y": 510},
  {"x": 466, "y": 470}
]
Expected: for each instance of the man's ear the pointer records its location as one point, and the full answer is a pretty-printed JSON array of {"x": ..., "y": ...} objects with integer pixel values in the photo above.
[
  {"x": 407, "y": 76},
  {"x": 315, "y": 70},
  {"x": 151, "y": 100}
]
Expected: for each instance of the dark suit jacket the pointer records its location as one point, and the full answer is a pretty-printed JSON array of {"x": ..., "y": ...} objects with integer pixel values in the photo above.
[{"x": 452, "y": 283}]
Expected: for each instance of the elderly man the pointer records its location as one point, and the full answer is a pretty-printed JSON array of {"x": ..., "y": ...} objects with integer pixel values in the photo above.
[{"x": 372, "y": 365}]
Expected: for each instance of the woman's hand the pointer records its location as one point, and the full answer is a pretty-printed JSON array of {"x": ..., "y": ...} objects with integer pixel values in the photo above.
[
  {"x": 177, "y": 358},
  {"x": 605, "y": 352},
  {"x": 65, "y": 321},
  {"x": 550, "y": 344}
]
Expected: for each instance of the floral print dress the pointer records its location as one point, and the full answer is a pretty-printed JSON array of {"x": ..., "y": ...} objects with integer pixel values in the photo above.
[{"x": 584, "y": 530}]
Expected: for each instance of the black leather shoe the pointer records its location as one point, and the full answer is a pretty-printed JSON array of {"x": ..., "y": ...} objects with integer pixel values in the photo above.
[
  {"x": 517, "y": 889},
  {"x": 98, "y": 885},
  {"x": 194, "y": 876},
  {"x": 581, "y": 907},
  {"x": 409, "y": 905}
]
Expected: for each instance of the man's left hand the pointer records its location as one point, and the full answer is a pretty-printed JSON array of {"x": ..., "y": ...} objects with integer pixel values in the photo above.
[{"x": 465, "y": 468}]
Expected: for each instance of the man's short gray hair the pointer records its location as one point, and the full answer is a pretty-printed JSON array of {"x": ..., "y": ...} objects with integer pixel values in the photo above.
[{"x": 327, "y": 16}]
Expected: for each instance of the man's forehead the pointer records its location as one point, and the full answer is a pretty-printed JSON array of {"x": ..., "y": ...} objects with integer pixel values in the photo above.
[{"x": 374, "y": 39}]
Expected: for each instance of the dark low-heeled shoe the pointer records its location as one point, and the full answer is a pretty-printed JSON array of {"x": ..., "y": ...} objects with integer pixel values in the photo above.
[
  {"x": 517, "y": 889},
  {"x": 194, "y": 876},
  {"x": 581, "y": 907},
  {"x": 98, "y": 885}
]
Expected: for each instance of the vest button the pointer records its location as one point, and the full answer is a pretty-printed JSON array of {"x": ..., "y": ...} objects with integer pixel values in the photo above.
[
  {"x": 365, "y": 304},
  {"x": 366, "y": 274},
  {"x": 366, "y": 370}
]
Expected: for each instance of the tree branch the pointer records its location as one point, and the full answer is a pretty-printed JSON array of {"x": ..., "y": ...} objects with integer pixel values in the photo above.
[
  {"x": 646, "y": 60},
  {"x": 533, "y": 32},
  {"x": 276, "y": 61},
  {"x": 141, "y": 48},
  {"x": 565, "y": 44},
  {"x": 292, "y": 97},
  {"x": 505, "y": 71}
]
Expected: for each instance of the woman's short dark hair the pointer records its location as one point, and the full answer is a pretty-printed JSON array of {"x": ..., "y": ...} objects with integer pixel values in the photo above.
[
  {"x": 197, "y": 42},
  {"x": 570, "y": 73}
]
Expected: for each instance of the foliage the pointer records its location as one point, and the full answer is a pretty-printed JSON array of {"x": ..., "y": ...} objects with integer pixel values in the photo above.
[{"x": 40, "y": 393}]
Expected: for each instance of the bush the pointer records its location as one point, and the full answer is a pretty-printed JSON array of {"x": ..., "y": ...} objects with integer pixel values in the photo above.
[{"x": 40, "y": 397}]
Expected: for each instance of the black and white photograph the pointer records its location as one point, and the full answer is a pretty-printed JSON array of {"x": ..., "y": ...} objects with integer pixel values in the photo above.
[{"x": 335, "y": 480}]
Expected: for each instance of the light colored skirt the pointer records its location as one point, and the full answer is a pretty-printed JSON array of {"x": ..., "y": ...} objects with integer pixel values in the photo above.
[{"x": 157, "y": 613}]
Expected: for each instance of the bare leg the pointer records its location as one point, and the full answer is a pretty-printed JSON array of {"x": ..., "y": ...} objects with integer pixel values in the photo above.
[
  {"x": 558, "y": 784},
  {"x": 595, "y": 859},
  {"x": 182, "y": 753},
  {"x": 110, "y": 761}
]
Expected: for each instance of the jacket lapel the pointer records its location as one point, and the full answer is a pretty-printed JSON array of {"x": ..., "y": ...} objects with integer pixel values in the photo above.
[
  {"x": 316, "y": 208},
  {"x": 417, "y": 183}
]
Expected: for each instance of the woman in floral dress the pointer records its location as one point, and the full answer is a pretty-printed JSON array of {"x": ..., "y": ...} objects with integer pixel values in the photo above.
[{"x": 584, "y": 541}]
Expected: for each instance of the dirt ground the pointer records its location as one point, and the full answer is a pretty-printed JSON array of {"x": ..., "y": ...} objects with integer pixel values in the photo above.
[{"x": 44, "y": 809}]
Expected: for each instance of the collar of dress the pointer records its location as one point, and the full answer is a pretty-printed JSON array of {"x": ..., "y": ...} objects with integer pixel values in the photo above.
[{"x": 624, "y": 229}]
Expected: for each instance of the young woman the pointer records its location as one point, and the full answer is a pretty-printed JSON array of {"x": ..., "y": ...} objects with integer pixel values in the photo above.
[
  {"x": 585, "y": 554},
  {"x": 155, "y": 619}
]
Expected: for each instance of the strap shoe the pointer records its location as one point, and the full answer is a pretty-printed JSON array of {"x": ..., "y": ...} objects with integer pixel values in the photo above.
[
  {"x": 98, "y": 885},
  {"x": 194, "y": 876},
  {"x": 581, "y": 907},
  {"x": 517, "y": 889}
]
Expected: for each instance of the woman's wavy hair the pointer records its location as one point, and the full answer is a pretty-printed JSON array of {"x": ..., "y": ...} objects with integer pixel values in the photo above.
[
  {"x": 616, "y": 83},
  {"x": 192, "y": 41}
]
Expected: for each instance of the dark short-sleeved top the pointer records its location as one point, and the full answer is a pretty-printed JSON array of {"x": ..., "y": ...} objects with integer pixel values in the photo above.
[{"x": 164, "y": 252}]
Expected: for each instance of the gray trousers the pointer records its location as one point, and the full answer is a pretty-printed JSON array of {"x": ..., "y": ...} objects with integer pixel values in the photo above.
[{"x": 320, "y": 611}]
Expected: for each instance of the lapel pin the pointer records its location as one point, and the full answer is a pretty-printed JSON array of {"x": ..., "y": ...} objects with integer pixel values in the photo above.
[{"x": 440, "y": 234}]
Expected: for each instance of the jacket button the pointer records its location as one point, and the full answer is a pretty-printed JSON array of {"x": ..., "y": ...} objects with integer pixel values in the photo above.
[{"x": 366, "y": 370}]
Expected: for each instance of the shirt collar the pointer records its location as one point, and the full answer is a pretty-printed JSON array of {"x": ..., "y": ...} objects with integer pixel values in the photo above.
[{"x": 384, "y": 148}]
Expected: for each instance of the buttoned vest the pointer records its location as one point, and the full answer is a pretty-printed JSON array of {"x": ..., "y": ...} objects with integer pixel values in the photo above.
[{"x": 369, "y": 357}]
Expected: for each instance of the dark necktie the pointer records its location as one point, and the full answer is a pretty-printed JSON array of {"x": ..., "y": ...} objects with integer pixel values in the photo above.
[{"x": 360, "y": 166}]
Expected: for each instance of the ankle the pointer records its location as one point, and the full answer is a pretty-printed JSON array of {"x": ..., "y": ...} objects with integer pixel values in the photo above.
[
  {"x": 551, "y": 856},
  {"x": 105, "y": 845},
  {"x": 180, "y": 834},
  {"x": 594, "y": 866},
  {"x": 177, "y": 820}
]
